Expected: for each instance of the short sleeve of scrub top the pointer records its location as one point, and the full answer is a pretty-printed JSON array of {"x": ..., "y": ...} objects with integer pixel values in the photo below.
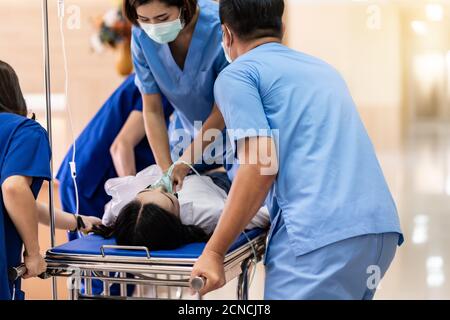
[
  {"x": 28, "y": 155},
  {"x": 144, "y": 78},
  {"x": 240, "y": 102}
]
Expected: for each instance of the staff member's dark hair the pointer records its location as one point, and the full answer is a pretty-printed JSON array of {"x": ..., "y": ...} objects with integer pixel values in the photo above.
[
  {"x": 189, "y": 8},
  {"x": 11, "y": 97},
  {"x": 253, "y": 19}
]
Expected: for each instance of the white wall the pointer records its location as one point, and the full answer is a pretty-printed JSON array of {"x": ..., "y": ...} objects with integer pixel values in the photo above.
[
  {"x": 370, "y": 59},
  {"x": 92, "y": 76}
]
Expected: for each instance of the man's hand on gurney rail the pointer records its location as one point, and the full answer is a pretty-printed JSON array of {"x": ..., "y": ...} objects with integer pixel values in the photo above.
[{"x": 210, "y": 267}]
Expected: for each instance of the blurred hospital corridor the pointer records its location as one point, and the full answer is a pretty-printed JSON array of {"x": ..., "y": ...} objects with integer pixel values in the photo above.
[
  {"x": 394, "y": 56},
  {"x": 419, "y": 179}
]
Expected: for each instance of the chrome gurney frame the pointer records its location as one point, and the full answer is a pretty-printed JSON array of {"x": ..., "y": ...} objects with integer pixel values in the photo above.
[{"x": 161, "y": 272}]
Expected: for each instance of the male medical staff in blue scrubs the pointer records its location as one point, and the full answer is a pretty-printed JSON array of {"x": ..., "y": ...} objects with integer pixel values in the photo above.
[
  {"x": 176, "y": 47},
  {"x": 335, "y": 227}
]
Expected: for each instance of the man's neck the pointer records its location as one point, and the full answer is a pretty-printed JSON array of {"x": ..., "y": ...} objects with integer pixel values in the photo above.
[{"x": 244, "y": 47}]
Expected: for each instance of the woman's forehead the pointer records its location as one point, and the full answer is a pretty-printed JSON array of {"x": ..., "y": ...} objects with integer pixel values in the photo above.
[{"x": 153, "y": 9}]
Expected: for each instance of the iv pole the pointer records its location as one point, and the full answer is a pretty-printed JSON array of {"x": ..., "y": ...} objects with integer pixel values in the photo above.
[{"x": 49, "y": 127}]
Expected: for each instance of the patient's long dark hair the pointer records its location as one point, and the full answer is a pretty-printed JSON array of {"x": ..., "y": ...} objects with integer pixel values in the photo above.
[{"x": 153, "y": 227}]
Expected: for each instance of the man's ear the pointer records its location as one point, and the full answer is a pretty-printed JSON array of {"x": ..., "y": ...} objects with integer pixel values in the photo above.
[
  {"x": 283, "y": 29},
  {"x": 226, "y": 36}
]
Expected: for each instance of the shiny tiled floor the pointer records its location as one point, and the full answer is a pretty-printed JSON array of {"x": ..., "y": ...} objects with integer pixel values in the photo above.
[{"x": 419, "y": 177}]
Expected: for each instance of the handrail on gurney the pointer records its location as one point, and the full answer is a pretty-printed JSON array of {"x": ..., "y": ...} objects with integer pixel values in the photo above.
[
  {"x": 130, "y": 248},
  {"x": 19, "y": 272},
  {"x": 99, "y": 258},
  {"x": 196, "y": 284}
]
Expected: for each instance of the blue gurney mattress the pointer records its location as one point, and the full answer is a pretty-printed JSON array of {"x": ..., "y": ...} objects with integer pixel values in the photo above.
[{"x": 91, "y": 246}]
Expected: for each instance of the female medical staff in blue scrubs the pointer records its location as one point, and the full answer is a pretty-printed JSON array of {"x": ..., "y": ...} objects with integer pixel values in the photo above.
[
  {"x": 24, "y": 165},
  {"x": 335, "y": 227},
  {"x": 176, "y": 47},
  {"x": 113, "y": 144}
]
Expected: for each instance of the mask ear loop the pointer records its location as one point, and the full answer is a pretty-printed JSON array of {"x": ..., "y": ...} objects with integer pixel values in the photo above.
[
  {"x": 182, "y": 18},
  {"x": 231, "y": 40}
]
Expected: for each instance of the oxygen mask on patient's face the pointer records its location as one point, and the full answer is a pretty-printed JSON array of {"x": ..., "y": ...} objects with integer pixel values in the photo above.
[{"x": 166, "y": 183}]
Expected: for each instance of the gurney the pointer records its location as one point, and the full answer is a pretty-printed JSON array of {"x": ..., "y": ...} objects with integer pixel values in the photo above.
[{"x": 94, "y": 258}]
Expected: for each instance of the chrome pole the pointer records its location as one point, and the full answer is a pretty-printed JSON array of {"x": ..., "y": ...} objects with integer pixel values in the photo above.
[{"x": 49, "y": 127}]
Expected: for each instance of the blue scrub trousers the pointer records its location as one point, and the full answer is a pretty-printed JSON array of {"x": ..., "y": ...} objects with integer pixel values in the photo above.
[{"x": 341, "y": 271}]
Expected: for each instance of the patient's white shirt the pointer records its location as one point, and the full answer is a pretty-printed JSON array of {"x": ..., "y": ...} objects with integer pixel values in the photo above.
[{"x": 201, "y": 200}]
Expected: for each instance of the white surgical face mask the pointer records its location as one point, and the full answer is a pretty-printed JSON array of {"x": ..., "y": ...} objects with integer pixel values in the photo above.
[
  {"x": 227, "y": 53},
  {"x": 165, "y": 32}
]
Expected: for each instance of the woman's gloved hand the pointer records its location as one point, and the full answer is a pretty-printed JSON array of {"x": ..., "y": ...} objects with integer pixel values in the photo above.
[{"x": 180, "y": 171}]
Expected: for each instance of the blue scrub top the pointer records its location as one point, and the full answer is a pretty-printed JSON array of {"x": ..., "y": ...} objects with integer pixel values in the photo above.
[
  {"x": 24, "y": 151},
  {"x": 330, "y": 186},
  {"x": 190, "y": 91}
]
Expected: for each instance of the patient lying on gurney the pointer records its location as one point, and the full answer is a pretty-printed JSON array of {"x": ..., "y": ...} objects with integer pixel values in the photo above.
[{"x": 139, "y": 215}]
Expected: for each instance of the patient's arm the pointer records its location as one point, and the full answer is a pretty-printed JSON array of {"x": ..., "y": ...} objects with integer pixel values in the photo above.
[
  {"x": 64, "y": 220},
  {"x": 122, "y": 150}
]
